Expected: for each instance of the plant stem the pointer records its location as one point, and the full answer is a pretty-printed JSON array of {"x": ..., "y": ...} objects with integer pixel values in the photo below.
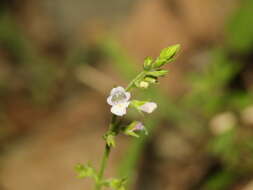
[
  {"x": 113, "y": 129},
  {"x": 102, "y": 167},
  {"x": 107, "y": 151},
  {"x": 139, "y": 76}
]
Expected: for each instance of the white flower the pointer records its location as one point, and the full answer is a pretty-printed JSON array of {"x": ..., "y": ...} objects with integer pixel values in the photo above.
[
  {"x": 148, "y": 107},
  {"x": 119, "y": 100}
]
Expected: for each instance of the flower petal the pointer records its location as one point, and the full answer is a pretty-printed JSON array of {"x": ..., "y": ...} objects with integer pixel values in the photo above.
[
  {"x": 109, "y": 100},
  {"x": 148, "y": 107},
  {"x": 128, "y": 95},
  {"x": 120, "y": 109},
  {"x": 119, "y": 88}
]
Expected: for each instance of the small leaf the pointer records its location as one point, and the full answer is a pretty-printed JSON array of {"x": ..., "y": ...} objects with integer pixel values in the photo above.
[
  {"x": 148, "y": 63},
  {"x": 85, "y": 171},
  {"x": 114, "y": 183},
  {"x": 158, "y": 73},
  {"x": 167, "y": 55},
  {"x": 110, "y": 140},
  {"x": 151, "y": 79}
]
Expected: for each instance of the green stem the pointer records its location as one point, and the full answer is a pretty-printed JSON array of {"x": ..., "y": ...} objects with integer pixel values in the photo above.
[
  {"x": 107, "y": 151},
  {"x": 102, "y": 167},
  {"x": 138, "y": 77},
  {"x": 113, "y": 129}
]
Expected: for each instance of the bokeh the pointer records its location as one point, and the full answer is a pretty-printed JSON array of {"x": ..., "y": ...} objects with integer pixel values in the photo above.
[{"x": 59, "y": 59}]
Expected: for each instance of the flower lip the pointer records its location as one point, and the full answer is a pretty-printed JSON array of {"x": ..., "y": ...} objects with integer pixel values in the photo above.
[
  {"x": 120, "y": 109},
  {"x": 117, "y": 89}
]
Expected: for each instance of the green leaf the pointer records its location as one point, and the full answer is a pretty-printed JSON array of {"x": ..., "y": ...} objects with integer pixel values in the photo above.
[
  {"x": 158, "y": 73},
  {"x": 132, "y": 134},
  {"x": 85, "y": 171},
  {"x": 110, "y": 140},
  {"x": 151, "y": 79},
  {"x": 148, "y": 63},
  {"x": 167, "y": 55},
  {"x": 114, "y": 183}
]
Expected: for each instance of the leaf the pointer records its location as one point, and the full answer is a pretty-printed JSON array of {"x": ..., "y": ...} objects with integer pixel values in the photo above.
[
  {"x": 114, "y": 183},
  {"x": 148, "y": 63},
  {"x": 85, "y": 171},
  {"x": 151, "y": 79},
  {"x": 158, "y": 73},
  {"x": 110, "y": 140}
]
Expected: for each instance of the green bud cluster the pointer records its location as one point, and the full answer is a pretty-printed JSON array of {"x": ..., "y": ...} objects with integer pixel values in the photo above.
[
  {"x": 167, "y": 55},
  {"x": 152, "y": 68}
]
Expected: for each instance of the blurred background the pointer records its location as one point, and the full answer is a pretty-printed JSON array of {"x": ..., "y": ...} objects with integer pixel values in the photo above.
[{"x": 59, "y": 59}]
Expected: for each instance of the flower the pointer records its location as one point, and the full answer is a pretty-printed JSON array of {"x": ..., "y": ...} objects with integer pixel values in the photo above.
[
  {"x": 148, "y": 107},
  {"x": 119, "y": 100}
]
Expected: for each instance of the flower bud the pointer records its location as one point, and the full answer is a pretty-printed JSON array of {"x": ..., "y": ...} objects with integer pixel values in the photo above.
[
  {"x": 144, "y": 84},
  {"x": 134, "y": 128},
  {"x": 144, "y": 106}
]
